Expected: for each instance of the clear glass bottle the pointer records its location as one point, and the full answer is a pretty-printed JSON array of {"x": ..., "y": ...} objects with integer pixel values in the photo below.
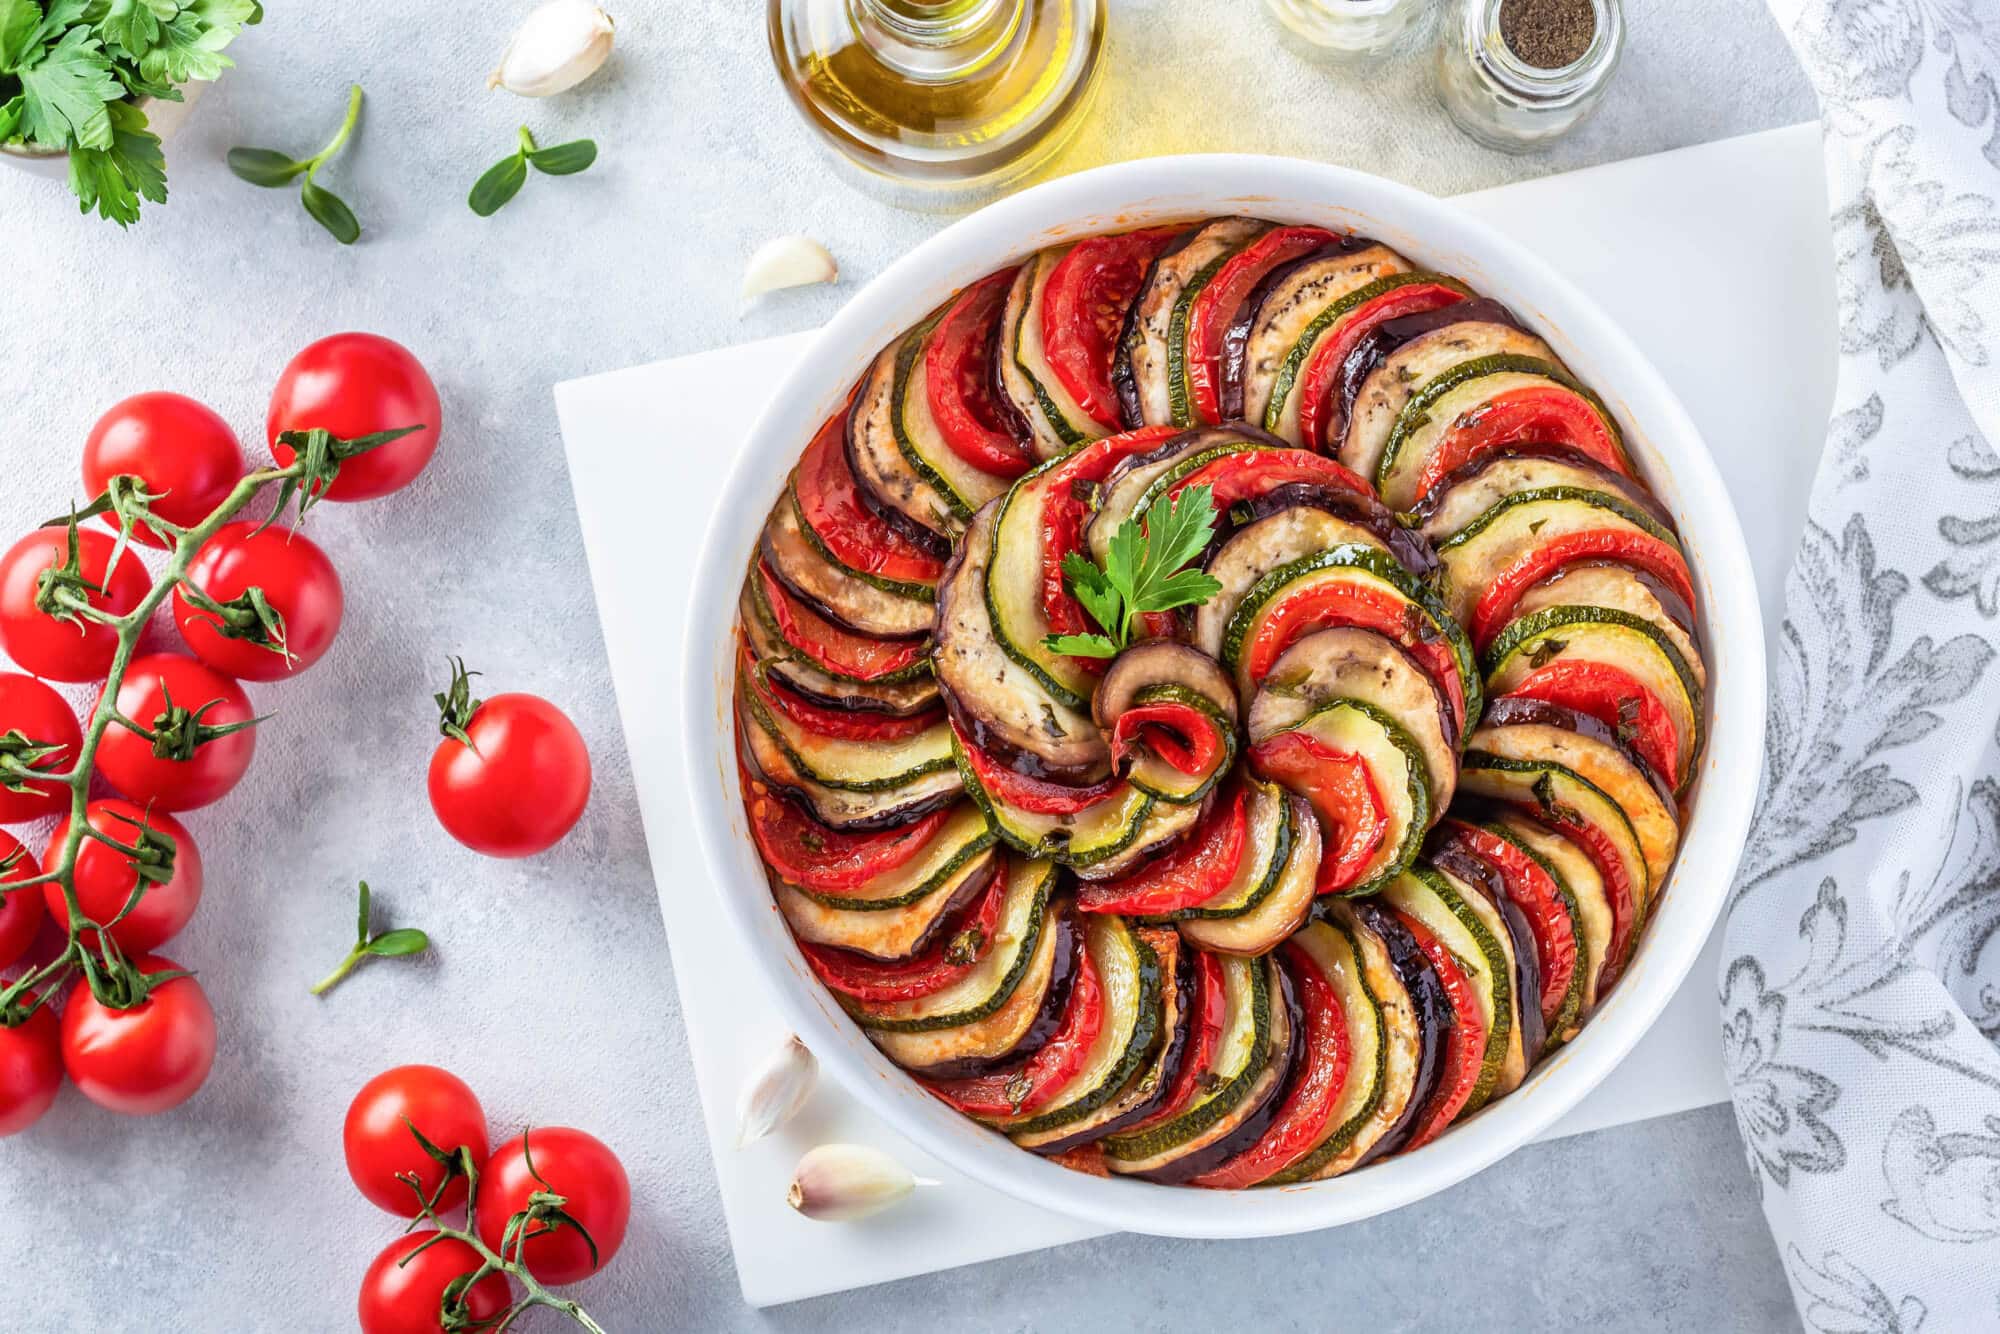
[
  {"x": 940, "y": 103},
  {"x": 1353, "y": 31},
  {"x": 1503, "y": 101}
]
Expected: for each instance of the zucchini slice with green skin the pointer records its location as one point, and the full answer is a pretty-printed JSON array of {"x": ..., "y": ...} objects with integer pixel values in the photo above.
[
  {"x": 1130, "y": 974},
  {"x": 1622, "y": 588},
  {"x": 890, "y": 934},
  {"x": 1462, "y": 496},
  {"x": 842, "y": 808},
  {"x": 1056, "y": 422},
  {"x": 1157, "y": 323},
  {"x": 1416, "y": 363},
  {"x": 1581, "y": 885},
  {"x": 895, "y": 588},
  {"x": 1266, "y": 902},
  {"x": 1098, "y": 832},
  {"x": 1450, "y": 911},
  {"x": 1282, "y": 409},
  {"x": 964, "y": 486},
  {"x": 1181, "y": 410},
  {"x": 1252, "y": 552},
  {"x": 1021, "y": 940},
  {"x": 1299, "y": 296},
  {"x": 900, "y": 694},
  {"x": 1566, "y": 1019},
  {"x": 1266, "y": 850},
  {"x": 964, "y": 840},
  {"x": 1475, "y": 556},
  {"x": 1138, "y": 479},
  {"x": 1166, "y": 824},
  {"x": 900, "y": 493},
  {"x": 849, "y": 766},
  {"x": 1013, "y": 593},
  {"x": 1184, "y": 687},
  {"x": 1396, "y": 770}
]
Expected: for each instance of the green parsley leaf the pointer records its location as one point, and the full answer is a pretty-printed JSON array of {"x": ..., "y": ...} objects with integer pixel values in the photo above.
[
  {"x": 113, "y": 180},
  {"x": 66, "y": 91},
  {"x": 1142, "y": 572},
  {"x": 133, "y": 26},
  {"x": 18, "y": 21},
  {"x": 189, "y": 45},
  {"x": 1082, "y": 646}
]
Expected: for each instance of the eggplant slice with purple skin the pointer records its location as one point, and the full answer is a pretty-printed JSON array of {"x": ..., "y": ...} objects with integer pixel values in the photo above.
[
  {"x": 900, "y": 695},
  {"x": 831, "y": 591},
  {"x": 1286, "y": 304},
  {"x": 1158, "y": 315},
  {"x": 1398, "y": 376},
  {"x": 888, "y": 935},
  {"x": 1167, "y": 674}
]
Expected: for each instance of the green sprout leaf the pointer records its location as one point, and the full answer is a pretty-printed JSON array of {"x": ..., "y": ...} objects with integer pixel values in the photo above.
[
  {"x": 330, "y": 211},
  {"x": 564, "y": 159},
  {"x": 504, "y": 179},
  {"x": 384, "y": 945},
  {"x": 272, "y": 169},
  {"x": 264, "y": 166}
]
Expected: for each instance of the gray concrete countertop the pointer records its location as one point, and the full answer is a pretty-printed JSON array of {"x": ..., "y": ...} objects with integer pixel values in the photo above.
[{"x": 551, "y": 989}]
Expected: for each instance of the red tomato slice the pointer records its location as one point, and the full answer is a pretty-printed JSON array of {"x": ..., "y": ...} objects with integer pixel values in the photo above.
[
  {"x": 1535, "y": 893},
  {"x": 1319, "y": 382},
  {"x": 1180, "y": 734},
  {"x": 1313, "y": 1098},
  {"x": 1643, "y": 550},
  {"x": 958, "y": 380},
  {"x": 1465, "y": 1046},
  {"x": 1537, "y": 415},
  {"x": 812, "y": 856},
  {"x": 1026, "y": 1090},
  {"x": 1326, "y": 605},
  {"x": 961, "y": 944},
  {"x": 1207, "y": 1009},
  {"x": 1616, "y": 699},
  {"x": 831, "y": 647},
  {"x": 1619, "y": 889},
  {"x": 1083, "y": 310},
  {"x": 1037, "y": 796},
  {"x": 1194, "y": 872},
  {"x": 1341, "y": 790},
  {"x": 858, "y": 537},
  {"x": 1063, "y": 516},
  {"x": 1257, "y": 472},
  {"x": 841, "y": 724},
  {"x": 1212, "y": 308}
]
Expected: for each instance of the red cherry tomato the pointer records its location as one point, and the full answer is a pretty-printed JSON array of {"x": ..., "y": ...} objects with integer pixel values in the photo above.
[
  {"x": 180, "y": 449},
  {"x": 355, "y": 384},
  {"x": 522, "y": 783},
  {"x": 44, "y": 718},
  {"x": 144, "y": 1060},
  {"x": 30, "y": 1068},
  {"x": 105, "y": 878},
  {"x": 37, "y": 641},
  {"x": 295, "y": 577},
  {"x": 128, "y": 761},
  {"x": 403, "y": 1290},
  {"x": 20, "y": 909},
  {"x": 576, "y": 1166},
  {"x": 380, "y": 1147}
]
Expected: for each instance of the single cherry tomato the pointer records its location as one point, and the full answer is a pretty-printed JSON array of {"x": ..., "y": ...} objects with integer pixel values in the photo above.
[
  {"x": 63, "y": 650},
  {"x": 20, "y": 909},
  {"x": 355, "y": 384},
  {"x": 295, "y": 579},
  {"x": 175, "y": 697},
  {"x": 31, "y": 1069},
  {"x": 512, "y": 776},
  {"x": 380, "y": 1147},
  {"x": 403, "y": 1291},
  {"x": 148, "y": 1058},
  {"x": 105, "y": 879},
  {"x": 183, "y": 452},
  {"x": 569, "y": 1163},
  {"x": 32, "y": 716}
]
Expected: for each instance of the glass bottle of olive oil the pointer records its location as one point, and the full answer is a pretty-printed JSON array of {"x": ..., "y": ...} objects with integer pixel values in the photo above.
[{"x": 940, "y": 103}]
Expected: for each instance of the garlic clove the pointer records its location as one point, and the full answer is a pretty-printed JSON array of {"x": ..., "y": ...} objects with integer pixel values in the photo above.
[
  {"x": 837, "y": 1183},
  {"x": 776, "y": 1092},
  {"x": 789, "y": 261},
  {"x": 559, "y": 45}
]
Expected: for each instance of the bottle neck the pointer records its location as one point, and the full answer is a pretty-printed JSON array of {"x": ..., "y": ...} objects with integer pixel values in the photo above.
[{"x": 936, "y": 41}]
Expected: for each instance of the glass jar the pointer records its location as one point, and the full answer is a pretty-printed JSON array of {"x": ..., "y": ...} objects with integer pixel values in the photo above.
[
  {"x": 1353, "y": 31},
  {"x": 940, "y": 103},
  {"x": 1503, "y": 101}
]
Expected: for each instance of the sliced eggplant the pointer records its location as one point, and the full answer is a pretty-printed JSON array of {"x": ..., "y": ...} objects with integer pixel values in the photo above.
[
  {"x": 897, "y": 491},
  {"x": 1428, "y": 1002},
  {"x": 1478, "y": 555},
  {"x": 1416, "y": 363},
  {"x": 1268, "y": 899},
  {"x": 1023, "y": 950},
  {"x": 1141, "y": 479},
  {"x": 1095, "y": 834},
  {"x": 1621, "y": 588},
  {"x": 1158, "y": 317},
  {"x": 1478, "y": 940},
  {"x": 1056, "y": 422},
  {"x": 1535, "y": 901},
  {"x": 1270, "y": 542},
  {"x": 849, "y": 766},
  {"x": 842, "y": 808},
  {"x": 964, "y": 840},
  {"x": 1297, "y": 297},
  {"x": 901, "y": 695},
  {"x": 1411, "y": 550},
  {"x": 1485, "y": 891},
  {"x": 1354, "y": 731},
  {"x": 963, "y": 485},
  {"x": 888, "y": 934},
  {"x": 1465, "y": 493},
  {"x": 1170, "y": 711}
]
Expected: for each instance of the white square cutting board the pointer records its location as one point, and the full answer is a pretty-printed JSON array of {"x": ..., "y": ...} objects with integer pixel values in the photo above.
[{"x": 1716, "y": 259}]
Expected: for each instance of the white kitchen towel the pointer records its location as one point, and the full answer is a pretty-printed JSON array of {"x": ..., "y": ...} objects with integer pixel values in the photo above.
[{"x": 1861, "y": 982}]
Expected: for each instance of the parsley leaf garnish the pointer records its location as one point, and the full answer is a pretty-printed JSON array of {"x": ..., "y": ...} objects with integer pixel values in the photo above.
[{"x": 1143, "y": 571}]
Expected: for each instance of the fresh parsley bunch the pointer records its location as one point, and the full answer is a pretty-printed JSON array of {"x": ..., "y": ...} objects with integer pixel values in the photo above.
[
  {"x": 1143, "y": 572},
  {"x": 71, "y": 70}
]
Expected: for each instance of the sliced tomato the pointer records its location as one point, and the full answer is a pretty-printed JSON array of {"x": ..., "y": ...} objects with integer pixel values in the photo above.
[
  {"x": 1624, "y": 895},
  {"x": 1535, "y": 893},
  {"x": 1215, "y": 305},
  {"x": 1208, "y": 1008},
  {"x": 1321, "y": 409},
  {"x": 1070, "y": 489},
  {"x": 958, "y": 380},
  {"x": 1023, "y": 1091},
  {"x": 1314, "y": 1096},
  {"x": 1258, "y": 472},
  {"x": 1037, "y": 796},
  {"x": 1531, "y": 415},
  {"x": 1465, "y": 1045},
  {"x": 1641, "y": 550},
  {"x": 1194, "y": 872},
  {"x": 1325, "y": 605},
  {"x": 1085, "y": 1158},
  {"x": 1180, "y": 734},
  {"x": 814, "y": 857},
  {"x": 832, "y": 647},
  {"x": 960, "y": 945},
  {"x": 1616, "y": 699},
  {"x": 1083, "y": 311},
  {"x": 1340, "y": 788},
  {"x": 841, "y": 724},
  {"x": 859, "y": 538}
]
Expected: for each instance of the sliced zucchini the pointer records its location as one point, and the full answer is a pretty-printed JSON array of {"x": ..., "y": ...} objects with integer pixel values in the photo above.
[
  {"x": 901, "y": 494},
  {"x": 1396, "y": 770},
  {"x": 1477, "y": 939},
  {"x": 1097, "y": 832},
  {"x": 902, "y": 694},
  {"x": 1056, "y": 422},
  {"x": 964, "y": 486},
  {"x": 1455, "y": 843},
  {"x": 1022, "y": 947},
  {"x": 1582, "y": 886},
  {"x": 1166, "y": 824},
  {"x": 1622, "y": 588},
  {"x": 1158, "y": 317},
  {"x": 1264, "y": 904},
  {"x": 843, "y": 808},
  {"x": 1478, "y": 554},
  {"x": 1463, "y": 496},
  {"x": 890, "y": 934},
  {"x": 1283, "y": 408},
  {"x": 1288, "y": 309},
  {"x": 1415, "y": 364},
  {"x": 1013, "y": 589},
  {"x": 966, "y": 839},
  {"x": 1269, "y": 543},
  {"x": 849, "y": 766}
]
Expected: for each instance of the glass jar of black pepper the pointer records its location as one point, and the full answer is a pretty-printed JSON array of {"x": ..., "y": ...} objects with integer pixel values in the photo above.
[{"x": 1518, "y": 74}]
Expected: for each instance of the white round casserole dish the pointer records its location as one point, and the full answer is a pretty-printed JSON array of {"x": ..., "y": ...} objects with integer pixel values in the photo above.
[{"x": 1435, "y": 235}]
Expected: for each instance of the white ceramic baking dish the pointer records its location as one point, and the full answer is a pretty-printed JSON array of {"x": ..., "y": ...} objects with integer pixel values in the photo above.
[{"x": 1436, "y": 235}]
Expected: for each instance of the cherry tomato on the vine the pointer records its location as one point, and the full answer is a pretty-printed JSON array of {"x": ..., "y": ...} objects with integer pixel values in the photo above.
[
  {"x": 355, "y": 384},
  {"x": 177, "y": 699},
  {"x": 184, "y": 453},
  {"x": 105, "y": 879},
  {"x": 296, "y": 581},
  {"x": 578, "y": 1167},
  {"x": 31, "y": 1068},
  {"x": 380, "y": 1148},
  {"x": 403, "y": 1290},
  {"x": 43, "y": 719},
  {"x": 65, "y": 650},
  {"x": 146, "y": 1059},
  {"x": 20, "y": 909},
  {"x": 514, "y": 776}
]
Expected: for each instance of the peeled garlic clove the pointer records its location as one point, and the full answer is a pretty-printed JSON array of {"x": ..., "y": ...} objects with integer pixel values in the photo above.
[
  {"x": 558, "y": 46},
  {"x": 789, "y": 261},
  {"x": 836, "y": 1183},
  {"x": 776, "y": 1092}
]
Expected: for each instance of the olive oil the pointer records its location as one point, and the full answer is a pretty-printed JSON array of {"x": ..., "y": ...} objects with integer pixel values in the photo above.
[{"x": 941, "y": 104}]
